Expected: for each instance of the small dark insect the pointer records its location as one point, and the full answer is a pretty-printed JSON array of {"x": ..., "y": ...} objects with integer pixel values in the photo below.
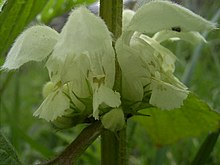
[{"x": 177, "y": 29}]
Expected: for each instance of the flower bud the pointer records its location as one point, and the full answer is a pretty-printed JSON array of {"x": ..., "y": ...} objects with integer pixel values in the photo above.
[{"x": 114, "y": 120}]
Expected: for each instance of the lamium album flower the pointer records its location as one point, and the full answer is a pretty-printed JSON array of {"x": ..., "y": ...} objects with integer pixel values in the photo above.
[{"x": 81, "y": 63}]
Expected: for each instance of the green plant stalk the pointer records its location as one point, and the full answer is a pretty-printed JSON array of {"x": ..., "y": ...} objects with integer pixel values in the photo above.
[
  {"x": 113, "y": 145},
  {"x": 111, "y": 13},
  {"x": 71, "y": 154},
  {"x": 206, "y": 148}
]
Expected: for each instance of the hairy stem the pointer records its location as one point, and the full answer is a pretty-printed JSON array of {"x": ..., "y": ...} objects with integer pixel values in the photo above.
[
  {"x": 113, "y": 145},
  {"x": 71, "y": 154}
]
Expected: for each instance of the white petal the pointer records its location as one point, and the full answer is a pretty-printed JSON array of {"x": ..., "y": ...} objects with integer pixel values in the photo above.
[
  {"x": 191, "y": 37},
  {"x": 126, "y": 18},
  {"x": 171, "y": 79},
  {"x": 75, "y": 71},
  {"x": 107, "y": 96},
  {"x": 168, "y": 58},
  {"x": 133, "y": 71},
  {"x": 166, "y": 96},
  {"x": 54, "y": 67},
  {"x": 84, "y": 34},
  {"x": 53, "y": 106},
  {"x": 34, "y": 44},
  {"x": 164, "y": 15}
]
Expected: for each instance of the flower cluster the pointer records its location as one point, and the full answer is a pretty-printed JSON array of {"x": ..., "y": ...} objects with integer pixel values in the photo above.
[{"x": 81, "y": 63}]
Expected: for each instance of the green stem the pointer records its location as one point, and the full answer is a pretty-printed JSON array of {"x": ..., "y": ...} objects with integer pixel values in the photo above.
[
  {"x": 113, "y": 148},
  {"x": 111, "y": 13},
  {"x": 113, "y": 145},
  {"x": 206, "y": 148},
  {"x": 71, "y": 154}
]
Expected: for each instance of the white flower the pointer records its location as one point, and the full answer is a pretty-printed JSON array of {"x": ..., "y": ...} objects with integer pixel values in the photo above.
[
  {"x": 81, "y": 61},
  {"x": 153, "y": 65},
  {"x": 81, "y": 53}
]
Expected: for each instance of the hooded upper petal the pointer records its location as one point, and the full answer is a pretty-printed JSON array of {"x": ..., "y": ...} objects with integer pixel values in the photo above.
[
  {"x": 84, "y": 34},
  {"x": 83, "y": 54},
  {"x": 34, "y": 44},
  {"x": 164, "y": 15}
]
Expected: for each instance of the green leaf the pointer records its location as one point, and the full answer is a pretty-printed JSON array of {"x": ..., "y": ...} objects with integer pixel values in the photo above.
[
  {"x": 192, "y": 119},
  {"x": 7, "y": 152},
  {"x": 15, "y": 15},
  {"x": 34, "y": 143}
]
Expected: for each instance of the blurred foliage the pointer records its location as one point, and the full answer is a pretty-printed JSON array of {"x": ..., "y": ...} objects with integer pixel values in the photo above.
[
  {"x": 35, "y": 140},
  {"x": 7, "y": 153},
  {"x": 55, "y": 8}
]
